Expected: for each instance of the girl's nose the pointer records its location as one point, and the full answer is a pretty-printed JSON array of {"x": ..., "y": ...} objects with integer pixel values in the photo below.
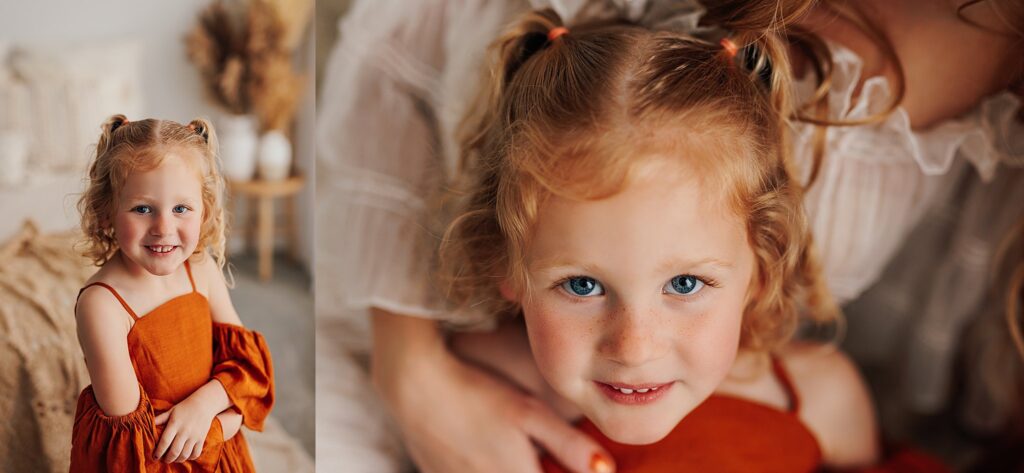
[
  {"x": 161, "y": 226},
  {"x": 633, "y": 337}
]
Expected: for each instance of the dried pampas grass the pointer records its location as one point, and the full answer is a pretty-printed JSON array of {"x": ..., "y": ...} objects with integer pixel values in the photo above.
[{"x": 243, "y": 50}]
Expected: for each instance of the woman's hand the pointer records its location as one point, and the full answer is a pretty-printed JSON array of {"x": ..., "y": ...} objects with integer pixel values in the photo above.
[
  {"x": 455, "y": 417},
  {"x": 230, "y": 423},
  {"x": 188, "y": 423}
]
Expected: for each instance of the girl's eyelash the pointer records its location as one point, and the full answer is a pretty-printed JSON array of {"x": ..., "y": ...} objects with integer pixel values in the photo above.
[{"x": 706, "y": 280}]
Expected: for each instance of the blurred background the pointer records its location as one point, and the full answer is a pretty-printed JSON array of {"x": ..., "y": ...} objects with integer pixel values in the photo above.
[{"x": 65, "y": 66}]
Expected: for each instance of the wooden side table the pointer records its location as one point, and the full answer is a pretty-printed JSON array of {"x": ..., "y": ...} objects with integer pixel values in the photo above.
[{"x": 260, "y": 224}]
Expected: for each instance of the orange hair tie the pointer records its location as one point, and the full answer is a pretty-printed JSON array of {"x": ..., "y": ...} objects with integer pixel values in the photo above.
[
  {"x": 556, "y": 32},
  {"x": 730, "y": 47}
]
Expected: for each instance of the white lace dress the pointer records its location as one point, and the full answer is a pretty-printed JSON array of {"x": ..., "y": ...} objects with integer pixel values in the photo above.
[{"x": 400, "y": 78}]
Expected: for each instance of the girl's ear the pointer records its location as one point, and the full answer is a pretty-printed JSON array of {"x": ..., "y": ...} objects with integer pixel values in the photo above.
[{"x": 505, "y": 288}]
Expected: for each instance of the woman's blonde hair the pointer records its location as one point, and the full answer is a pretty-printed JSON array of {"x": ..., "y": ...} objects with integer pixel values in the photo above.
[
  {"x": 562, "y": 116},
  {"x": 125, "y": 147}
]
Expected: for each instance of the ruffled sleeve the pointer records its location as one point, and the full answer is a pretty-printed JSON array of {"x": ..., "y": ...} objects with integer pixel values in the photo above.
[
  {"x": 125, "y": 444},
  {"x": 241, "y": 362}
]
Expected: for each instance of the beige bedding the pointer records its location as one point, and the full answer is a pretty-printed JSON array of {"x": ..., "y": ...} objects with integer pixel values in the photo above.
[{"x": 41, "y": 365}]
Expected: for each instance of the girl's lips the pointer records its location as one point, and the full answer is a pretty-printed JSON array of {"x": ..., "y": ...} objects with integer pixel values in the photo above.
[{"x": 633, "y": 394}]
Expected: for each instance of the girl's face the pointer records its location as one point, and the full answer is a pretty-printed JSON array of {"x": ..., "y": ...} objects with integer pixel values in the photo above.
[
  {"x": 159, "y": 214},
  {"x": 638, "y": 300}
]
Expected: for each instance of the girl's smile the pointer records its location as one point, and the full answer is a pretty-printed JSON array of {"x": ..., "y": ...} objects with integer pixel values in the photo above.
[{"x": 634, "y": 394}]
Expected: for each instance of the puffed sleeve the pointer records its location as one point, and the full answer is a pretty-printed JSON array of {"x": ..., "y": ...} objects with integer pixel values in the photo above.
[
  {"x": 102, "y": 443},
  {"x": 241, "y": 362}
]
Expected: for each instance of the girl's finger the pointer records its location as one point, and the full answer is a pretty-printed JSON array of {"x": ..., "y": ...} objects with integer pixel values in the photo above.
[
  {"x": 186, "y": 451},
  {"x": 164, "y": 443},
  {"x": 160, "y": 419},
  {"x": 196, "y": 451},
  {"x": 175, "y": 451},
  {"x": 572, "y": 448}
]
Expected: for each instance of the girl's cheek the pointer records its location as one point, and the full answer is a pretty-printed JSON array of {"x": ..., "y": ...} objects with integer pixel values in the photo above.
[{"x": 558, "y": 339}]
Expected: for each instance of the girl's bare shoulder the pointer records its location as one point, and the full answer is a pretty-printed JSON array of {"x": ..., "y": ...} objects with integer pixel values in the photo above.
[{"x": 835, "y": 403}]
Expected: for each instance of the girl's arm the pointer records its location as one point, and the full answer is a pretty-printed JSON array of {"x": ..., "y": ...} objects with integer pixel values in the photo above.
[
  {"x": 836, "y": 405},
  {"x": 103, "y": 326},
  {"x": 230, "y": 422}
]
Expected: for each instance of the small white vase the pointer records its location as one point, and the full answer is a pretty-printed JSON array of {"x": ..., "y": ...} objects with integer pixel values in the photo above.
[
  {"x": 238, "y": 141},
  {"x": 275, "y": 156},
  {"x": 13, "y": 158}
]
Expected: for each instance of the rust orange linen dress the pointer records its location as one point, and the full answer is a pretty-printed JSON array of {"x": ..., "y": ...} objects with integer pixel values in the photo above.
[
  {"x": 728, "y": 434},
  {"x": 175, "y": 349}
]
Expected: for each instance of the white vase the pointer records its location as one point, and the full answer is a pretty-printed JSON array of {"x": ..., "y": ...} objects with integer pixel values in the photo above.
[
  {"x": 275, "y": 156},
  {"x": 13, "y": 158},
  {"x": 238, "y": 141}
]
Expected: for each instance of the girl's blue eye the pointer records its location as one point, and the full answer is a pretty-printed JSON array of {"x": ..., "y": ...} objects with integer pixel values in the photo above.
[
  {"x": 684, "y": 285},
  {"x": 142, "y": 209},
  {"x": 180, "y": 209},
  {"x": 583, "y": 286}
]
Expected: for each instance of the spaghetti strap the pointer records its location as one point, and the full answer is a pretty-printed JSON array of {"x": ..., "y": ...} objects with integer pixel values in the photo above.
[
  {"x": 112, "y": 291},
  {"x": 188, "y": 269},
  {"x": 787, "y": 384}
]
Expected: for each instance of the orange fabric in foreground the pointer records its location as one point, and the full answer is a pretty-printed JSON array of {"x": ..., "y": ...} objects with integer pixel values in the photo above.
[
  {"x": 175, "y": 349},
  {"x": 723, "y": 434}
]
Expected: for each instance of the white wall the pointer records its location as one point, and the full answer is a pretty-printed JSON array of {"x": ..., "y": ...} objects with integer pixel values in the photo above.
[{"x": 171, "y": 87}]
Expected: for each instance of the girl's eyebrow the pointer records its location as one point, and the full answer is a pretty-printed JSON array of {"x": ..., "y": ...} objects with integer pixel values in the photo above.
[
  {"x": 559, "y": 262},
  {"x": 149, "y": 198},
  {"x": 709, "y": 262}
]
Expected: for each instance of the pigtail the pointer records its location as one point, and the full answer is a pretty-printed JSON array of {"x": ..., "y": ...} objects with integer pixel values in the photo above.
[
  {"x": 214, "y": 220},
  {"x": 108, "y": 128}
]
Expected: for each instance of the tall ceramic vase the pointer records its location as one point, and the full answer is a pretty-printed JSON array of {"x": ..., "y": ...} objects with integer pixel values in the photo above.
[
  {"x": 275, "y": 156},
  {"x": 238, "y": 144}
]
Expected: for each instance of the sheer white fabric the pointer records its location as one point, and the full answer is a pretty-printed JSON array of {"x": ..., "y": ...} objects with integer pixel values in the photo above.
[
  {"x": 401, "y": 77},
  {"x": 877, "y": 181}
]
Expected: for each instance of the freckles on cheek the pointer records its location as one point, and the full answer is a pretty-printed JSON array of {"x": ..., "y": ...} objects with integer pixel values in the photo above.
[{"x": 554, "y": 336}]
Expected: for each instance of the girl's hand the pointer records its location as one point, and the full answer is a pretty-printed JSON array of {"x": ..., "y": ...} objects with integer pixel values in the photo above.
[
  {"x": 455, "y": 417},
  {"x": 188, "y": 423},
  {"x": 230, "y": 423}
]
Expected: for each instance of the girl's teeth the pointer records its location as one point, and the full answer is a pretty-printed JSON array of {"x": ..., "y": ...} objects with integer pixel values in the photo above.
[{"x": 631, "y": 391}]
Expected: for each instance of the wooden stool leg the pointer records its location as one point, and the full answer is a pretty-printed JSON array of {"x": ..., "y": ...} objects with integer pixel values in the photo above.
[
  {"x": 266, "y": 237},
  {"x": 292, "y": 227},
  {"x": 251, "y": 224}
]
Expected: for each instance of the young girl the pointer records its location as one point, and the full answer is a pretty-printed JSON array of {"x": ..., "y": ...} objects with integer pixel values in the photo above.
[
  {"x": 174, "y": 373},
  {"x": 629, "y": 194}
]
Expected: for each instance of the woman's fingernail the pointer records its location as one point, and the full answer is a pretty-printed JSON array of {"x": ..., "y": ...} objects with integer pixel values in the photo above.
[{"x": 600, "y": 464}]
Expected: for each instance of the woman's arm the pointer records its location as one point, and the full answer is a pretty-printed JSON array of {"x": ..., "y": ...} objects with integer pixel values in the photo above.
[
  {"x": 103, "y": 326},
  {"x": 455, "y": 417}
]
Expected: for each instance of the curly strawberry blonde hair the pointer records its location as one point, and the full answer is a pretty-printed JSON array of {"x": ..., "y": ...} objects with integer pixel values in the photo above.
[
  {"x": 125, "y": 147},
  {"x": 571, "y": 116}
]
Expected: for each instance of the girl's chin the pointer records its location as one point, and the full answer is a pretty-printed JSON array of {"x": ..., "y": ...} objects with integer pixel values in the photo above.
[{"x": 637, "y": 429}]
